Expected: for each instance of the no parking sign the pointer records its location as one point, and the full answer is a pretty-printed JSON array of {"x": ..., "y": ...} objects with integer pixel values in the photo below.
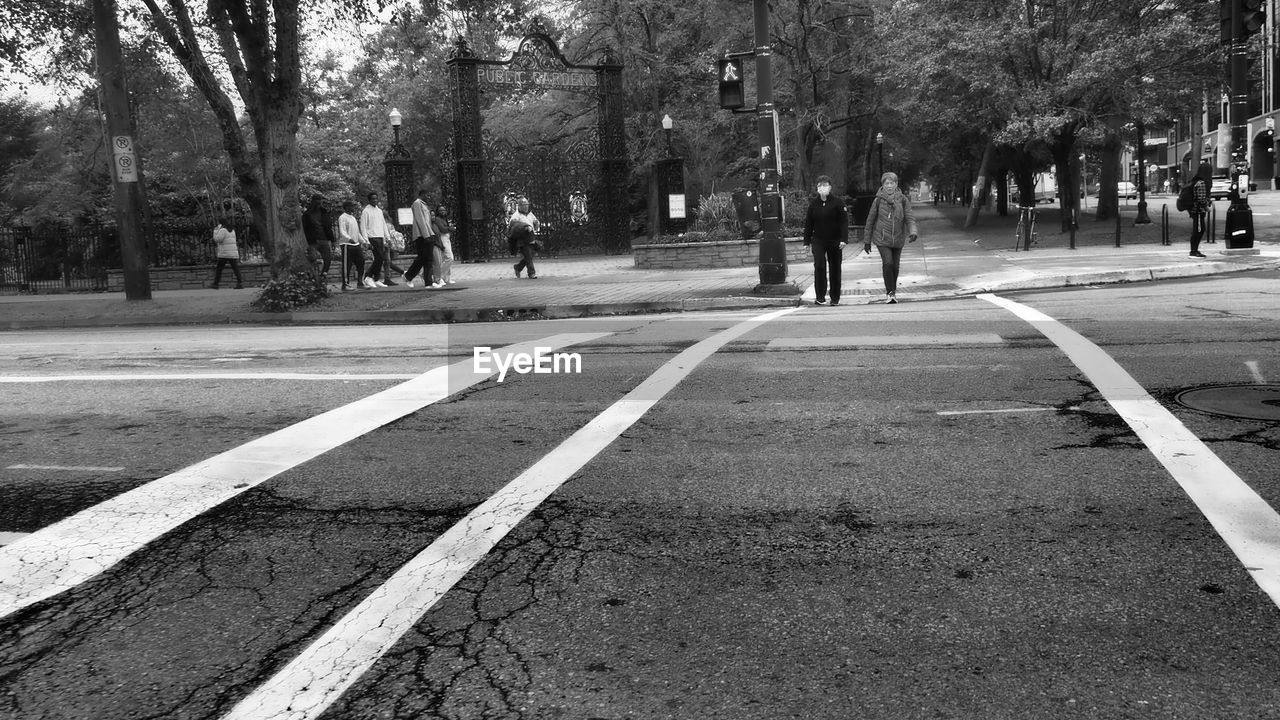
[{"x": 126, "y": 164}]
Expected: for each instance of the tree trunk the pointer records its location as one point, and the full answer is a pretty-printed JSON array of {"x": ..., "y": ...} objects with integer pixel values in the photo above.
[
  {"x": 983, "y": 184},
  {"x": 1108, "y": 200},
  {"x": 279, "y": 211},
  {"x": 1063, "y": 149}
]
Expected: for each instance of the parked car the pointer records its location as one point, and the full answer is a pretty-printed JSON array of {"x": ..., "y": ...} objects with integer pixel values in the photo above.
[
  {"x": 1126, "y": 189},
  {"x": 1220, "y": 188}
]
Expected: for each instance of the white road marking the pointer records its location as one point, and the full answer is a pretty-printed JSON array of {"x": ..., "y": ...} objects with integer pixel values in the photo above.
[
  {"x": 143, "y": 377},
  {"x": 809, "y": 343},
  {"x": 1256, "y": 372},
  {"x": 1249, "y": 526},
  {"x": 67, "y": 468},
  {"x": 1002, "y": 410},
  {"x": 8, "y": 537},
  {"x": 77, "y": 548},
  {"x": 317, "y": 677}
]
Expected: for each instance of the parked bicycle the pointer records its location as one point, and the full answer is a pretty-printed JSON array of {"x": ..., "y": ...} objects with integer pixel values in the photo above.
[{"x": 1026, "y": 233}]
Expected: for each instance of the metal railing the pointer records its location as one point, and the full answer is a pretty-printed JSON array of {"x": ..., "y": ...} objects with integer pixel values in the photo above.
[{"x": 47, "y": 261}]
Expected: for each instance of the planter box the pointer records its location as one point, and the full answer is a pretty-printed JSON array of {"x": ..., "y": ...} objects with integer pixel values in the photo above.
[
  {"x": 705, "y": 255},
  {"x": 722, "y": 254}
]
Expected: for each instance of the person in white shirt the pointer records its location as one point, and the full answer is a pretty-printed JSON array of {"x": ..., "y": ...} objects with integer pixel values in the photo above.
[
  {"x": 374, "y": 228},
  {"x": 350, "y": 239},
  {"x": 424, "y": 241},
  {"x": 522, "y": 228}
]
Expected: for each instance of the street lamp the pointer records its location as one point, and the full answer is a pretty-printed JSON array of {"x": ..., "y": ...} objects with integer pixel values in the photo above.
[
  {"x": 396, "y": 118},
  {"x": 880, "y": 149},
  {"x": 398, "y": 176}
]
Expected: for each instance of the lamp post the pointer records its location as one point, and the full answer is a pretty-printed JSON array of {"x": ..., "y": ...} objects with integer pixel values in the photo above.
[
  {"x": 880, "y": 150},
  {"x": 670, "y": 172},
  {"x": 398, "y": 177}
]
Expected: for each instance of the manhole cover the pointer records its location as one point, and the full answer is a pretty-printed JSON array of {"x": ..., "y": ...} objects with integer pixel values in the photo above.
[{"x": 1256, "y": 402}]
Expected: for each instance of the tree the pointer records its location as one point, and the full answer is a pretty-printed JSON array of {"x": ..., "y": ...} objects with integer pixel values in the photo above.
[{"x": 1046, "y": 71}]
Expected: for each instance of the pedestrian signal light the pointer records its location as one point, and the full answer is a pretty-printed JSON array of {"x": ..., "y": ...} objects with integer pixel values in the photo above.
[
  {"x": 1252, "y": 17},
  {"x": 732, "y": 95}
]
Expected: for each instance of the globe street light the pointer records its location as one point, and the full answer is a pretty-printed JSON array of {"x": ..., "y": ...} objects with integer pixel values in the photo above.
[{"x": 396, "y": 119}]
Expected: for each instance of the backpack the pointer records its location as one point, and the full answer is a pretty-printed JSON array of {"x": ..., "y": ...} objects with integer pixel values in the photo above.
[{"x": 1186, "y": 197}]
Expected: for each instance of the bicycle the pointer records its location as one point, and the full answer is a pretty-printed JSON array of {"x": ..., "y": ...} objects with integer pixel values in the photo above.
[{"x": 1026, "y": 233}]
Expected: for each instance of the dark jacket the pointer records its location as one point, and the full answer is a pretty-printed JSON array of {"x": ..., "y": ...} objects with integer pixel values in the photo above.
[
  {"x": 317, "y": 226},
  {"x": 827, "y": 220}
]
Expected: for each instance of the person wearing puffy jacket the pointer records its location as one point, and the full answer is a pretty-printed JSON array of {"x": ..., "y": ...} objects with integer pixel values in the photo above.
[
  {"x": 228, "y": 253},
  {"x": 890, "y": 226}
]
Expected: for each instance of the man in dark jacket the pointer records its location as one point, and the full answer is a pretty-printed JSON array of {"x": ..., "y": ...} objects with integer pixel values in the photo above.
[
  {"x": 317, "y": 227},
  {"x": 826, "y": 231}
]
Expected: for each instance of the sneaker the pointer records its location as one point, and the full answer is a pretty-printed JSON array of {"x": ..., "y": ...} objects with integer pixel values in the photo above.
[
  {"x": 516, "y": 267},
  {"x": 835, "y": 303},
  {"x": 1197, "y": 253},
  {"x": 437, "y": 285},
  {"x": 452, "y": 282},
  {"x": 405, "y": 279},
  {"x": 368, "y": 282},
  {"x": 893, "y": 299},
  {"x": 819, "y": 301},
  {"x": 533, "y": 277},
  {"x": 379, "y": 283},
  {"x": 389, "y": 283}
]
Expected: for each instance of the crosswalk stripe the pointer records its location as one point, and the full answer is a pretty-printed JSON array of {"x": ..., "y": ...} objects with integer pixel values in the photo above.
[
  {"x": 317, "y": 677},
  {"x": 79, "y": 547},
  {"x": 134, "y": 377},
  {"x": 1249, "y": 526}
]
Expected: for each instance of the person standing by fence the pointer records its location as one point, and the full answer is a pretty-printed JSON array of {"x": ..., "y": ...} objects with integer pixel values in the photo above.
[{"x": 228, "y": 252}]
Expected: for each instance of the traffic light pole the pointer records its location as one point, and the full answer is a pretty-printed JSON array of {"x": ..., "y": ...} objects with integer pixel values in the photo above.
[
  {"x": 1239, "y": 224},
  {"x": 773, "y": 249}
]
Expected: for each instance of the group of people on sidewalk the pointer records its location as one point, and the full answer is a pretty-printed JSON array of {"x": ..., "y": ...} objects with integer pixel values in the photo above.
[
  {"x": 374, "y": 234},
  {"x": 890, "y": 226}
]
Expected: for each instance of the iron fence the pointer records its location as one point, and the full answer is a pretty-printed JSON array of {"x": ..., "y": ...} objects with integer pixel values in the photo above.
[{"x": 37, "y": 261}]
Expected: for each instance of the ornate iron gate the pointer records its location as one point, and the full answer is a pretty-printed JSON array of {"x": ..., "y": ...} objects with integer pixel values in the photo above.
[{"x": 577, "y": 187}]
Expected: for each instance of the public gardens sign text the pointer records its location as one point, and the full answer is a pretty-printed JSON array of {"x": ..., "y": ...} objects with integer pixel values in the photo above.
[{"x": 545, "y": 79}]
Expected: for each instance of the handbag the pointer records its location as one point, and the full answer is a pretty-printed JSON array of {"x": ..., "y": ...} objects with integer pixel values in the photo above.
[{"x": 396, "y": 241}]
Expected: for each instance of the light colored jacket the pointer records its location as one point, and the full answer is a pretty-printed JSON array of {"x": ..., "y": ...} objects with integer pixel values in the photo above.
[
  {"x": 890, "y": 221},
  {"x": 349, "y": 230},
  {"x": 373, "y": 223},
  {"x": 422, "y": 220},
  {"x": 225, "y": 238}
]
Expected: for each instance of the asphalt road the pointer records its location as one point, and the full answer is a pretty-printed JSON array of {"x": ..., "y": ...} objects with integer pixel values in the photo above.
[{"x": 927, "y": 510}]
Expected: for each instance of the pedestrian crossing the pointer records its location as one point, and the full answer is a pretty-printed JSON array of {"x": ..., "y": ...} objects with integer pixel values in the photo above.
[{"x": 41, "y": 565}]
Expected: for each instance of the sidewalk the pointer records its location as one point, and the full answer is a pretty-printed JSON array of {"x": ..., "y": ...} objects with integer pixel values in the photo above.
[{"x": 948, "y": 261}]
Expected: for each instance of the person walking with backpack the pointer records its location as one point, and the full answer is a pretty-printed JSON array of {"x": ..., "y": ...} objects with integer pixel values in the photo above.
[
  {"x": 224, "y": 237},
  {"x": 1194, "y": 198}
]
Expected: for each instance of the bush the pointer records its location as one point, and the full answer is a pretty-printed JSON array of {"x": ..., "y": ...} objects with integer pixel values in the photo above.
[
  {"x": 291, "y": 292},
  {"x": 716, "y": 212}
]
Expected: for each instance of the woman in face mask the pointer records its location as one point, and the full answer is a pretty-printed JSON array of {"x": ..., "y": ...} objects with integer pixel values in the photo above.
[
  {"x": 890, "y": 226},
  {"x": 826, "y": 231}
]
